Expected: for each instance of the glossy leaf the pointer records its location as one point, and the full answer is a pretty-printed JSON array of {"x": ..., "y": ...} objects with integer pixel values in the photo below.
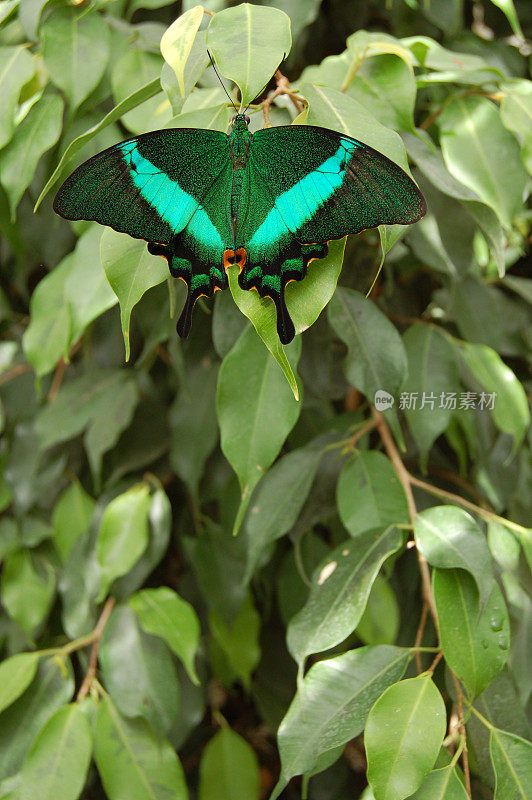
[
  {"x": 339, "y": 592},
  {"x": 511, "y": 757},
  {"x": 16, "y": 68},
  {"x": 71, "y": 517},
  {"x": 229, "y": 768},
  {"x": 239, "y": 640},
  {"x": 380, "y": 621},
  {"x": 449, "y": 537},
  {"x": 369, "y": 494},
  {"x": 58, "y": 761},
  {"x": 398, "y": 757},
  {"x": 235, "y": 34},
  {"x": 441, "y": 784},
  {"x": 16, "y": 674},
  {"x": 134, "y": 68},
  {"x": 131, "y": 760},
  {"x": 75, "y": 51},
  {"x": 177, "y": 42},
  {"x": 123, "y": 534},
  {"x": 475, "y": 646},
  {"x": 27, "y": 588},
  {"x": 163, "y": 613},
  {"x": 332, "y": 705},
  {"x": 131, "y": 271}
]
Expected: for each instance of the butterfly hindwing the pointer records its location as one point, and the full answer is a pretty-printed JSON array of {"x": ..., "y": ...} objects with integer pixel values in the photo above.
[{"x": 305, "y": 186}]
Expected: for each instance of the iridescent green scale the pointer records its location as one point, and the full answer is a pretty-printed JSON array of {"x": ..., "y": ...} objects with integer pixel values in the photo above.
[{"x": 268, "y": 201}]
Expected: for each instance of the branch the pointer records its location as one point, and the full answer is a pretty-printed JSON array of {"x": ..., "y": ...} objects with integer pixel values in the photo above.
[
  {"x": 93, "y": 660},
  {"x": 461, "y": 727}
]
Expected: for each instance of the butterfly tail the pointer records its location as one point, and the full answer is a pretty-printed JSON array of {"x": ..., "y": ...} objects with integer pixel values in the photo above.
[
  {"x": 285, "y": 326},
  {"x": 185, "y": 320}
]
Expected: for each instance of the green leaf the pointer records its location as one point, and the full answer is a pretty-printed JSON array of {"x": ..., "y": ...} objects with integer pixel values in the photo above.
[
  {"x": 278, "y": 501},
  {"x": 339, "y": 592},
  {"x": 376, "y": 359},
  {"x": 58, "y": 762},
  {"x": 399, "y": 757},
  {"x": 369, "y": 494},
  {"x": 123, "y": 534},
  {"x": 236, "y": 35},
  {"x": 432, "y": 376},
  {"x": 516, "y": 115},
  {"x": 229, "y": 768},
  {"x": 132, "y": 761},
  {"x": 380, "y": 621},
  {"x": 449, "y": 537},
  {"x": 177, "y": 41},
  {"x": 51, "y": 688},
  {"x": 16, "y": 674},
  {"x": 134, "y": 68},
  {"x": 36, "y": 134},
  {"x": 250, "y": 384},
  {"x": 305, "y": 301},
  {"x": 76, "y": 47},
  {"x": 131, "y": 102},
  {"x": 193, "y": 424},
  {"x": 510, "y": 407},
  {"x": 131, "y": 271},
  {"x": 481, "y": 153},
  {"x": 101, "y": 403},
  {"x": 163, "y": 613},
  {"x": 332, "y": 705},
  {"x": 508, "y": 9},
  {"x": 138, "y": 672},
  {"x": 475, "y": 646},
  {"x": 71, "y": 517},
  {"x": 17, "y": 67},
  {"x": 27, "y": 588},
  {"x": 511, "y": 757},
  {"x": 441, "y": 784},
  {"x": 239, "y": 640}
]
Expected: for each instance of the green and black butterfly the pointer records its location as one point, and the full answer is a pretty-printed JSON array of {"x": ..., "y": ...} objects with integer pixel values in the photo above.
[{"x": 268, "y": 202}]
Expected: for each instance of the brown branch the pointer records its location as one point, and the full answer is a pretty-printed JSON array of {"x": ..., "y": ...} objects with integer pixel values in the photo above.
[
  {"x": 14, "y": 372},
  {"x": 283, "y": 87},
  {"x": 461, "y": 727},
  {"x": 366, "y": 428},
  {"x": 419, "y": 634},
  {"x": 93, "y": 659}
]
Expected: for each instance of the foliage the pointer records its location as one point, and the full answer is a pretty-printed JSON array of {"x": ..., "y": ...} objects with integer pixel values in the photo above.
[{"x": 371, "y": 620}]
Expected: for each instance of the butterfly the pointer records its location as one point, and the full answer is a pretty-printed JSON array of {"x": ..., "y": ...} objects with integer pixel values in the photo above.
[{"x": 268, "y": 202}]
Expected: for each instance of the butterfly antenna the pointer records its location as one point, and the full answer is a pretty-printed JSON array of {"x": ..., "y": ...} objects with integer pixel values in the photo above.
[{"x": 222, "y": 83}]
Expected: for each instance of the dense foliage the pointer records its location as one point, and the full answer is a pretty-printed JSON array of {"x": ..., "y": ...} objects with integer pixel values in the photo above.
[{"x": 371, "y": 620}]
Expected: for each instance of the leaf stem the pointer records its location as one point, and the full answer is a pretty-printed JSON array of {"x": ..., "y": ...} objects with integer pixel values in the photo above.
[
  {"x": 461, "y": 728},
  {"x": 93, "y": 659}
]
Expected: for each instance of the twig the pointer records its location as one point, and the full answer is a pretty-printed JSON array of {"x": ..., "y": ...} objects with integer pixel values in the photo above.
[
  {"x": 366, "y": 428},
  {"x": 419, "y": 634},
  {"x": 14, "y": 372},
  {"x": 283, "y": 87},
  {"x": 465, "y": 757},
  {"x": 57, "y": 380},
  {"x": 93, "y": 660}
]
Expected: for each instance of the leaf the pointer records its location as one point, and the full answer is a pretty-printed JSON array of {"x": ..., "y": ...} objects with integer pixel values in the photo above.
[
  {"x": 475, "y": 647},
  {"x": 441, "y": 784},
  {"x": 508, "y": 9},
  {"x": 510, "y": 408},
  {"x": 131, "y": 102},
  {"x": 16, "y": 674},
  {"x": 339, "y": 592},
  {"x": 449, "y": 537},
  {"x": 516, "y": 115},
  {"x": 236, "y": 35},
  {"x": 229, "y": 768},
  {"x": 138, "y": 672},
  {"x": 369, "y": 494},
  {"x": 376, "y": 359},
  {"x": 177, "y": 41},
  {"x": 163, "y": 613},
  {"x": 20, "y": 723},
  {"x": 399, "y": 757},
  {"x": 17, "y": 67},
  {"x": 432, "y": 377},
  {"x": 134, "y": 68},
  {"x": 36, "y": 134},
  {"x": 239, "y": 640},
  {"x": 332, "y": 705},
  {"x": 278, "y": 501},
  {"x": 76, "y": 47},
  {"x": 193, "y": 424},
  {"x": 250, "y": 384},
  {"x": 101, "y": 403},
  {"x": 511, "y": 757},
  {"x": 132, "y": 761},
  {"x": 123, "y": 534},
  {"x": 28, "y": 588},
  {"x": 480, "y": 152},
  {"x": 58, "y": 761},
  {"x": 131, "y": 271},
  {"x": 305, "y": 301},
  {"x": 71, "y": 517},
  {"x": 380, "y": 621}
]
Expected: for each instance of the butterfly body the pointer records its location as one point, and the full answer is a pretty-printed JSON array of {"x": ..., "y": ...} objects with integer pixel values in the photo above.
[{"x": 268, "y": 202}]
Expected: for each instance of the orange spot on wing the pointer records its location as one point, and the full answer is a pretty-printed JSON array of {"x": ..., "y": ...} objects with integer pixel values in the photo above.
[{"x": 228, "y": 255}]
